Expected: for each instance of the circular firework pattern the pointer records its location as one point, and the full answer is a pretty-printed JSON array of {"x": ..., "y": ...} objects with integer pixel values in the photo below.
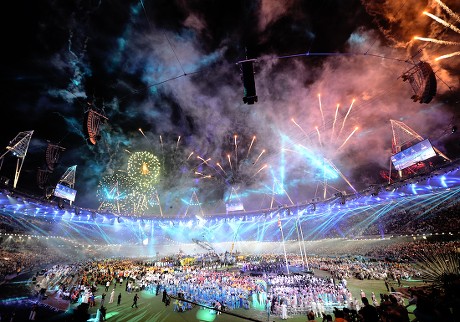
[{"x": 143, "y": 171}]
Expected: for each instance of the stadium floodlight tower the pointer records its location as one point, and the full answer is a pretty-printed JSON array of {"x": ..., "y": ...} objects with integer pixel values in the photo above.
[{"x": 18, "y": 146}]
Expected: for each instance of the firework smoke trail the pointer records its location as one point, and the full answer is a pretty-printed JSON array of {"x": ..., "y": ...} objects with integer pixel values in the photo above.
[
  {"x": 198, "y": 157},
  {"x": 230, "y": 161},
  {"x": 319, "y": 136},
  {"x": 442, "y": 22},
  {"x": 162, "y": 152},
  {"x": 250, "y": 145},
  {"x": 200, "y": 174},
  {"x": 273, "y": 196},
  {"x": 263, "y": 151},
  {"x": 437, "y": 41},
  {"x": 303, "y": 147},
  {"x": 289, "y": 150},
  {"x": 335, "y": 120},
  {"x": 441, "y": 42},
  {"x": 204, "y": 161},
  {"x": 70, "y": 44},
  {"x": 345, "y": 118},
  {"x": 457, "y": 53},
  {"x": 265, "y": 165},
  {"x": 289, "y": 197},
  {"x": 163, "y": 157},
  {"x": 177, "y": 144},
  {"x": 449, "y": 11},
  {"x": 282, "y": 188},
  {"x": 306, "y": 134},
  {"x": 203, "y": 176},
  {"x": 348, "y": 138},
  {"x": 220, "y": 167},
  {"x": 321, "y": 108},
  {"x": 236, "y": 149},
  {"x": 341, "y": 174}
]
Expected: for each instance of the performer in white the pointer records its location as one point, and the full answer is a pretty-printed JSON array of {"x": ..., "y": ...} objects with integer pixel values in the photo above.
[
  {"x": 284, "y": 311},
  {"x": 112, "y": 296},
  {"x": 313, "y": 307}
]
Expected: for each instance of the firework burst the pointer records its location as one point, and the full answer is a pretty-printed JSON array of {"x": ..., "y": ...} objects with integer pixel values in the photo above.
[
  {"x": 327, "y": 141},
  {"x": 143, "y": 171},
  {"x": 240, "y": 162},
  {"x": 113, "y": 192},
  {"x": 448, "y": 25},
  {"x": 334, "y": 132}
]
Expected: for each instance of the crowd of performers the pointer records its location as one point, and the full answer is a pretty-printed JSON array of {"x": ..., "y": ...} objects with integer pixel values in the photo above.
[
  {"x": 256, "y": 282},
  {"x": 223, "y": 289}
]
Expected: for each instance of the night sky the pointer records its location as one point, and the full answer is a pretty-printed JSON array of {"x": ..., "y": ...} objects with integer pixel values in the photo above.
[{"x": 170, "y": 69}]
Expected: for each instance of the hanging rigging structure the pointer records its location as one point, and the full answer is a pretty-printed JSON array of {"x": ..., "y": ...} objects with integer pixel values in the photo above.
[
  {"x": 52, "y": 154},
  {"x": 92, "y": 125},
  {"x": 423, "y": 82},
  {"x": 249, "y": 85},
  {"x": 18, "y": 147},
  {"x": 42, "y": 177}
]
